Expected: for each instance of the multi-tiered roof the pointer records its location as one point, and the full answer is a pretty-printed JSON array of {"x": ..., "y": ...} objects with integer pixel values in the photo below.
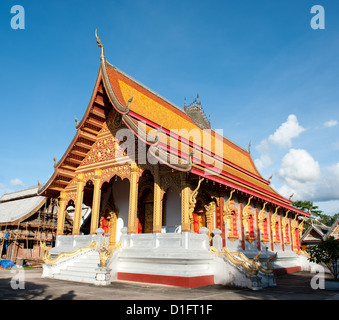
[{"x": 140, "y": 107}]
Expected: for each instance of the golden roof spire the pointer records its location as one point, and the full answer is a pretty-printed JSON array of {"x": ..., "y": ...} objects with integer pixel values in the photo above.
[{"x": 100, "y": 45}]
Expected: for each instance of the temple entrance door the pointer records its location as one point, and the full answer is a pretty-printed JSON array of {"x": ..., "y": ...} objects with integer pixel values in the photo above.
[
  {"x": 199, "y": 221},
  {"x": 199, "y": 217},
  {"x": 86, "y": 215},
  {"x": 148, "y": 225},
  {"x": 145, "y": 214}
]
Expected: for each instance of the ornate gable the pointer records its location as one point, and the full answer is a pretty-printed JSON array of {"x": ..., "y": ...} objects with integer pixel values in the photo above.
[{"x": 106, "y": 147}]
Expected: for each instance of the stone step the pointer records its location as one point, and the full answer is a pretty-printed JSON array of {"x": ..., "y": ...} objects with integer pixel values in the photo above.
[
  {"x": 82, "y": 270},
  {"x": 89, "y": 264},
  {"x": 76, "y": 278},
  {"x": 71, "y": 273}
]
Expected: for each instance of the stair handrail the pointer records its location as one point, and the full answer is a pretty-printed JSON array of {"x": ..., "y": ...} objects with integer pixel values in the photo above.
[
  {"x": 47, "y": 255},
  {"x": 251, "y": 266},
  {"x": 106, "y": 254}
]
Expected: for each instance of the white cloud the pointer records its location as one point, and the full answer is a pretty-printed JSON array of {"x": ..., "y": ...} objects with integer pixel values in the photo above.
[
  {"x": 282, "y": 137},
  {"x": 330, "y": 123},
  {"x": 299, "y": 165},
  {"x": 265, "y": 159},
  {"x": 329, "y": 207},
  {"x": 300, "y": 174},
  {"x": 286, "y": 132},
  {"x": 17, "y": 182},
  {"x": 329, "y": 186}
]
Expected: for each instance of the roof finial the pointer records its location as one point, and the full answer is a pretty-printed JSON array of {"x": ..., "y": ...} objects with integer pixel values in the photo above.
[
  {"x": 55, "y": 162},
  {"x": 100, "y": 45},
  {"x": 76, "y": 123}
]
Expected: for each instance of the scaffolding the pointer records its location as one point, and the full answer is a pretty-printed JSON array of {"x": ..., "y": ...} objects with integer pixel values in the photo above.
[{"x": 20, "y": 241}]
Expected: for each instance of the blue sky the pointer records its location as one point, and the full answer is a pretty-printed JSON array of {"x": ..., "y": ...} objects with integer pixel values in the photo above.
[{"x": 262, "y": 73}]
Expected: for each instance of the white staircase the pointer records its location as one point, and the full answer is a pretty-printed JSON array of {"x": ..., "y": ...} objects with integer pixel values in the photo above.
[{"x": 81, "y": 270}]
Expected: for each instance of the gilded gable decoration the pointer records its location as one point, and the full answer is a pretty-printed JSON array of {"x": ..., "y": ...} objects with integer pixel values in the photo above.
[
  {"x": 296, "y": 234},
  {"x": 275, "y": 226},
  {"x": 210, "y": 217},
  {"x": 112, "y": 123},
  {"x": 248, "y": 221},
  {"x": 227, "y": 211},
  {"x": 193, "y": 201},
  {"x": 263, "y": 225},
  {"x": 285, "y": 228},
  {"x": 122, "y": 171},
  {"x": 103, "y": 150},
  {"x": 231, "y": 218}
]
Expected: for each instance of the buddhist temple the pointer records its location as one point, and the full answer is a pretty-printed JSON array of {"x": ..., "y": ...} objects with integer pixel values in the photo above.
[{"x": 172, "y": 199}]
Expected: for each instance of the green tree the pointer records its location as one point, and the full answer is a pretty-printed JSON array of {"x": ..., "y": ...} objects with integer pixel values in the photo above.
[
  {"x": 329, "y": 220},
  {"x": 307, "y": 206},
  {"x": 317, "y": 216},
  {"x": 326, "y": 252}
]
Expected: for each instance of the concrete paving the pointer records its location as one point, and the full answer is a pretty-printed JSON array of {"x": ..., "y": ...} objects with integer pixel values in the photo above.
[{"x": 28, "y": 285}]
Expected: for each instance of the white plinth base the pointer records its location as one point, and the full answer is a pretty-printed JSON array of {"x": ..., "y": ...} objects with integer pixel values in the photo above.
[{"x": 103, "y": 276}]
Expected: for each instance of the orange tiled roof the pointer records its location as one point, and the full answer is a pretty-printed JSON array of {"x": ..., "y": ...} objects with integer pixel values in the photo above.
[
  {"x": 237, "y": 167},
  {"x": 238, "y": 164},
  {"x": 160, "y": 112}
]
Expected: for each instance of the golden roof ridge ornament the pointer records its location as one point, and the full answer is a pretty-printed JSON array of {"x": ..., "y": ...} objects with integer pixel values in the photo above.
[
  {"x": 77, "y": 123},
  {"x": 122, "y": 109},
  {"x": 100, "y": 45},
  {"x": 270, "y": 178},
  {"x": 55, "y": 161}
]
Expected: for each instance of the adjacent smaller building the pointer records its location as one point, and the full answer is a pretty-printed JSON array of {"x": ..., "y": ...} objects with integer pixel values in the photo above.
[
  {"x": 26, "y": 219},
  {"x": 318, "y": 232}
]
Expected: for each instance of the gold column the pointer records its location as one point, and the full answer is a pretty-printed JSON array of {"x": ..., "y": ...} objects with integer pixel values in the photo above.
[
  {"x": 133, "y": 200},
  {"x": 157, "y": 208},
  {"x": 78, "y": 204},
  {"x": 112, "y": 230},
  {"x": 96, "y": 201},
  {"x": 185, "y": 195},
  {"x": 61, "y": 214}
]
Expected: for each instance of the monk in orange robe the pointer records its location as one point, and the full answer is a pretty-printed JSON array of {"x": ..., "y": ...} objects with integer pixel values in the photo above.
[{"x": 105, "y": 223}]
